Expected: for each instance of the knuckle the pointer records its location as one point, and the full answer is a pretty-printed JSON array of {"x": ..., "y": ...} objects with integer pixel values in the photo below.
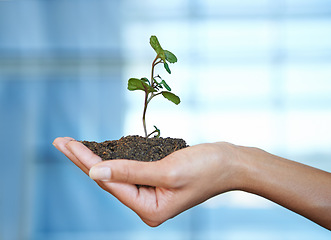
[
  {"x": 125, "y": 175},
  {"x": 172, "y": 177},
  {"x": 120, "y": 172}
]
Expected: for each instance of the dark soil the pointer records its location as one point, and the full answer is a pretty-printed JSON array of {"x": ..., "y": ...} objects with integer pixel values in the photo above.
[{"x": 136, "y": 148}]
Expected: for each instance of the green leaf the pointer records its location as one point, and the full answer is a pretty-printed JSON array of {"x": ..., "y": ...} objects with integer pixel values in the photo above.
[
  {"x": 157, "y": 131},
  {"x": 171, "y": 97},
  {"x": 166, "y": 66},
  {"x": 156, "y": 45},
  {"x": 170, "y": 57},
  {"x": 165, "y": 85},
  {"x": 138, "y": 84}
]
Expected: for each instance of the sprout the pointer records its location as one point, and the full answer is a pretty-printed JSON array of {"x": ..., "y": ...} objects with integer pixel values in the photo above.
[{"x": 156, "y": 84}]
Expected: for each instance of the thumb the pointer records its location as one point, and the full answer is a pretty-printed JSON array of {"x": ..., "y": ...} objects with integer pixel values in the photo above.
[{"x": 158, "y": 173}]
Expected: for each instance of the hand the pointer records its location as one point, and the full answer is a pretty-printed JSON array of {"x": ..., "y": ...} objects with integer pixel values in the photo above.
[
  {"x": 182, "y": 180},
  {"x": 192, "y": 175}
]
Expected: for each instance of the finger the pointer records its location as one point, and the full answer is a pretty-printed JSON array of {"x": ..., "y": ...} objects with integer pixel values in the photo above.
[
  {"x": 84, "y": 154},
  {"x": 152, "y": 205},
  {"x": 142, "y": 201},
  {"x": 85, "y": 157},
  {"x": 61, "y": 144},
  {"x": 126, "y": 193},
  {"x": 157, "y": 173}
]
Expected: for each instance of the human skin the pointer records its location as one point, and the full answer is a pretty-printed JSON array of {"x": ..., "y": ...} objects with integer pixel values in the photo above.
[{"x": 183, "y": 179}]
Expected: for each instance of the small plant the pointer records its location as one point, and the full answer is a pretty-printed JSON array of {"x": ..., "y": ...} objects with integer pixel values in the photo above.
[{"x": 156, "y": 84}]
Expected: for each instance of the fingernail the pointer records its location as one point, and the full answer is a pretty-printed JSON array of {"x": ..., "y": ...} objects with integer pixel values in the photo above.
[{"x": 100, "y": 173}]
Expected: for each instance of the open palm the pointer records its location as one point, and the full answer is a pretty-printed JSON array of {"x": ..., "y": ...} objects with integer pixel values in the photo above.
[{"x": 180, "y": 181}]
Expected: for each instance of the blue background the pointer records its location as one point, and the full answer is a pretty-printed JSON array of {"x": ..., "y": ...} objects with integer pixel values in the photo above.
[{"x": 255, "y": 73}]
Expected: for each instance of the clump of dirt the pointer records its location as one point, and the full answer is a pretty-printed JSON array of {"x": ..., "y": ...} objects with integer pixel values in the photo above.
[{"x": 136, "y": 148}]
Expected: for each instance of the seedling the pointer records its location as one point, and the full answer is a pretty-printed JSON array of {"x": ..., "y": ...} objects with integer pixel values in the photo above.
[{"x": 156, "y": 84}]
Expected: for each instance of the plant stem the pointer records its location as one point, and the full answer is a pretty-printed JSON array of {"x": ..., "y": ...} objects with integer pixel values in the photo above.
[
  {"x": 144, "y": 113},
  {"x": 152, "y": 73},
  {"x": 153, "y": 95},
  {"x": 147, "y": 100}
]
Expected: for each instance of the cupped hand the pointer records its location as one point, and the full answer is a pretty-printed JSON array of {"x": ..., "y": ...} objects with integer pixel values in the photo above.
[{"x": 180, "y": 181}]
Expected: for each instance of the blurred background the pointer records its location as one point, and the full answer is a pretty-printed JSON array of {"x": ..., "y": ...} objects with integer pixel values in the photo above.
[{"x": 255, "y": 73}]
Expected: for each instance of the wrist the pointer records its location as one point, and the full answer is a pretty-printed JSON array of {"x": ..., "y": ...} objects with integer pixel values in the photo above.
[
  {"x": 243, "y": 166},
  {"x": 253, "y": 164},
  {"x": 235, "y": 163}
]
